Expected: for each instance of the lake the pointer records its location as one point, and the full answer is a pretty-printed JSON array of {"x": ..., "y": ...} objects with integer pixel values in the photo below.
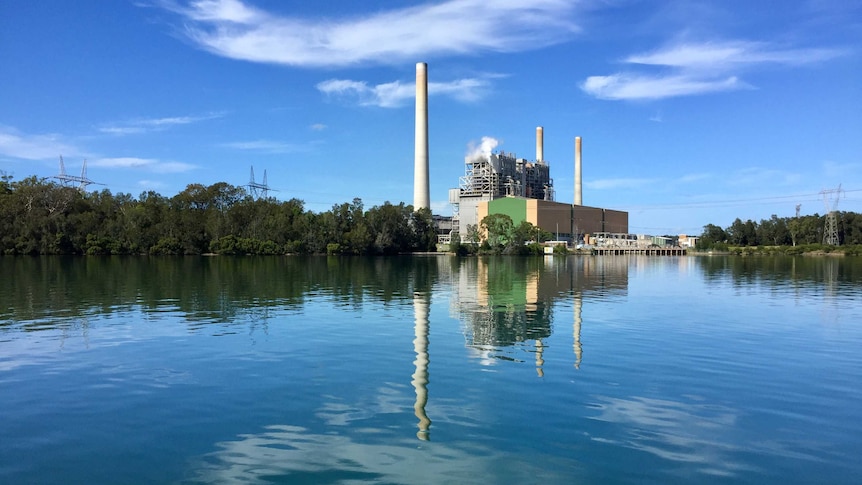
[{"x": 431, "y": 369}]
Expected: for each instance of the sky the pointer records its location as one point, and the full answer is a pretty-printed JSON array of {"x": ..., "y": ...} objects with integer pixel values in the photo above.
[{"x": 691, "y": 112}]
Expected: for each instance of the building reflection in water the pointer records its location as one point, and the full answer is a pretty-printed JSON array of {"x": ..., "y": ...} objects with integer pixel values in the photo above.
[
  {"x": 505, "y": 302},
  {"x": 421, "y": 303}
]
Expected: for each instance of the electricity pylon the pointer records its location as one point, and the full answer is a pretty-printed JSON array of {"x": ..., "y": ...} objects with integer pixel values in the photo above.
[
  {"x": 830, "y": 232},
  {"x": 66, "y": 179},
  {"x": 258, "y": 190}
]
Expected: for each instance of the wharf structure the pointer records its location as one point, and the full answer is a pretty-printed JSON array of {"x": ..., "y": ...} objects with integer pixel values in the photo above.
[{"x": 502, "y": 183}]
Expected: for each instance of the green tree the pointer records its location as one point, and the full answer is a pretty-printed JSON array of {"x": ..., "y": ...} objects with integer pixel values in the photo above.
[
  {"x": 498, "y": 230},
  {"x": 742, "y": 233},
  {"x": 424, "y": 231}
]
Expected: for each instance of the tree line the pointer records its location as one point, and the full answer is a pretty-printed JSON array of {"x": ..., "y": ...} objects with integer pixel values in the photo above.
[
  {"x": 39, "y": 216},
  {"x": 781, "y": 231}
]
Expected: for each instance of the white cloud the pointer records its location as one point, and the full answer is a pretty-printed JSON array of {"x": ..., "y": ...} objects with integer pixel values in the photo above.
[
  {"x": 149, "y": 164},
  {"x": 232, "y": 29},
  {"x": 698, "y": 68},
  {"x": 838, "y": 170},
  {"x": 318, "y": 127},
  {"x": 755, "y": 176},
  {"x": 34, "y": 147},
  {"x": 15, "y": 144},
  {"x": 144, "y": 125},
  {"x": 619, "y": 183},
  {"x": 721, "y": 56},
  {"x": 151, "y": 184},
  {"x": 265, "y": 146},
  {"x": 693, "y": 177},
  {"x": 625, "y": 86},
  {"x": 397, "y": 93}
]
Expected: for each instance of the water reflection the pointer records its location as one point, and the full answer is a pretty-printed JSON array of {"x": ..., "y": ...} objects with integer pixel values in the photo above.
[
  {"x": 420, "y": 376},
  {"x": 576, "y": 331},
  {"x": 834, "y": 274},
  {"x": 299, "y": 402},
  {"x": 294, "y": 454},
  {"x": 698, "y": 434},
  {"x": 505, "y": 302},
  {"x": 502, "y": 302}
]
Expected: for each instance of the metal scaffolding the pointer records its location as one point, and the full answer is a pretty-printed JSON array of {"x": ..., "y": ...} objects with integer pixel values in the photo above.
[{"x": 502, "y": 174}]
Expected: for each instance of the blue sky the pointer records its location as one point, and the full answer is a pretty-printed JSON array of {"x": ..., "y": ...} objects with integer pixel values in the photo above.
[{"x": 691, "y": 112}]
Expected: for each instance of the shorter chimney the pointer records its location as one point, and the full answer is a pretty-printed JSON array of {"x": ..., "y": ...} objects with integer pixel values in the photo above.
[
  {"x": 540, "y": 144},
  {"x": 579, "y": 200}
]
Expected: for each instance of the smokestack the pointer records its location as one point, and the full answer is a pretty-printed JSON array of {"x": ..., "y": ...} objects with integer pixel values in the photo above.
[
  {"x": 421, "y": 190},
  {"x": 579, "y": 200},
  {"x": 540, "y": 144}
]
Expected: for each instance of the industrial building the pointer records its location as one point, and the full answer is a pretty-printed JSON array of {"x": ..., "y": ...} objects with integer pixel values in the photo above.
[{"x": 501, "y": 183}]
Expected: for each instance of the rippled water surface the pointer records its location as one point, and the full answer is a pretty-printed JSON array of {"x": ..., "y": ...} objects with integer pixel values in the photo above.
[{"x": 431, "y": 370}]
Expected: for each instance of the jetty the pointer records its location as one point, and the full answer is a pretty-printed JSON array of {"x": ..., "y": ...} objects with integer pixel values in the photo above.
[{"x": 617, "y": 251}]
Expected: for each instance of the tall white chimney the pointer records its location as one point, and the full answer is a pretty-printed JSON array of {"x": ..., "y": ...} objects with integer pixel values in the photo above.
[
  {"x": 540, "y": 144},
  {"x": 579, "y": 200},
  {"x": 421, "y": 189}
]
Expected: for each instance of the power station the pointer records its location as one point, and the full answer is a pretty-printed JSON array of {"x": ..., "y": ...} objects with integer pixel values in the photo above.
[{"x": 501, "y": 183}]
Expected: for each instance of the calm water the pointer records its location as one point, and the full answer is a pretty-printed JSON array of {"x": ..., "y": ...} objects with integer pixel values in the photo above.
[{"x": 431, "y": 370}]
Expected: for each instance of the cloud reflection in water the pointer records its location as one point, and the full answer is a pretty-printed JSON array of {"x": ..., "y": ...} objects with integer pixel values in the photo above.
[
  {"x": 675, "y": 431},
  {"x": 293, "y": 454}
]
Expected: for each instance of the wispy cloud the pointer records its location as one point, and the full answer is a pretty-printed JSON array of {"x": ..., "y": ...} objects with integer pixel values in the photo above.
[
  {"x": 626, "y": 86},
  {"x": 721, "y": 56},
  {"x": 318, "y": 127},
  {"x": 266, "y": 146},
  {"x": 618, "y": 183},
  {"x": 148, "y": 164},
  {"x": 693, "y": 177},
  {"x": 15, "y": 144},
  {"x": 698, "y": 68},
  {"x": 835, "y": 169},
  {"x": 656, "y": 185},
  {"x": 755, "y": 176},
  {"x": 233, "y": 29},
  {"x": 144, "y": 125},
  {"x": 151, "y": 184},
  {"x": 397, "y": 93}
]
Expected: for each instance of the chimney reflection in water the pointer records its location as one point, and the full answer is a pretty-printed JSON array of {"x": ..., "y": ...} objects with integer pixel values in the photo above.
[
  {"x": 540, "y": 361},
  {"x": 420, "y": 376},
  {"x": 576, "y": 331}
]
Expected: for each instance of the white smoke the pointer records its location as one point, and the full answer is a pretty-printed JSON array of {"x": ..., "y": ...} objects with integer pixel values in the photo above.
[{"x": 483, "y": 150}]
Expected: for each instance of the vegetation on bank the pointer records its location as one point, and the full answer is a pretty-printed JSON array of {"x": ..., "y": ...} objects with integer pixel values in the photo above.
[
  {"x": 502, "y": 236},
  {"x": 810, "y": 249},
  {"x": 784, "y": 235},
  {"x": 38, "y": 216}
]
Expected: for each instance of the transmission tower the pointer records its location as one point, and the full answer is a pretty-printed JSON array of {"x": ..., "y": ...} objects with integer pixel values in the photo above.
[
  {"x": 830, "y": 233},
  {"x": 258, "y": 190},
  {"x": 67, "y": 180}
]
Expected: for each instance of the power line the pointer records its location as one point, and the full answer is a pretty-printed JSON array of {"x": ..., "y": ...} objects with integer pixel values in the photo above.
[{"x": 732, "y": 202}]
